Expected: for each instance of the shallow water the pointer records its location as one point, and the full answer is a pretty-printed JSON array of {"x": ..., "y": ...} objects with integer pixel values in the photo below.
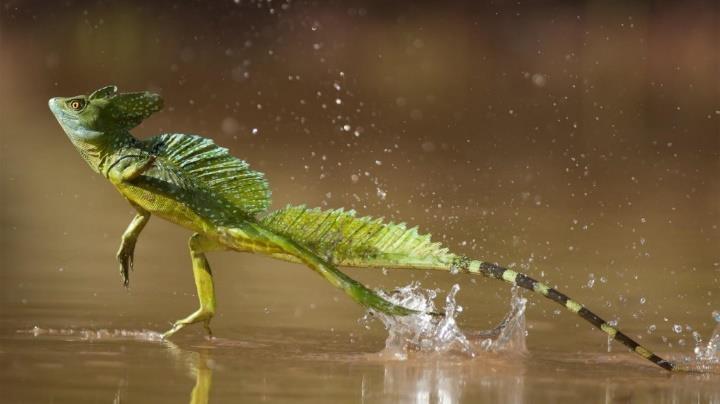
[
  {"x": 418, "y": 364},
  {"x": 312, "y": 366}
]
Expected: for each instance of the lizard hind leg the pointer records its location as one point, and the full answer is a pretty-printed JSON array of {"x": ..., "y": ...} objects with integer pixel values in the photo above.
[
  {"x": 356, "y": 290},
  {"x": 199, "y": 245},
  {"x": 286, "y": 248}
]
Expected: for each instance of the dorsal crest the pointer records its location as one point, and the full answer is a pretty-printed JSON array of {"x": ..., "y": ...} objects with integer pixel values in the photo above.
[
  {"x": 341, "y": 237},
  {"x": 210, "y": 166}
]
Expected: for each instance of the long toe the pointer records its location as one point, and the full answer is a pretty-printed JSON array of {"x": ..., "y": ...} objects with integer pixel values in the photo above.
[{"x": 175, "y": 328}]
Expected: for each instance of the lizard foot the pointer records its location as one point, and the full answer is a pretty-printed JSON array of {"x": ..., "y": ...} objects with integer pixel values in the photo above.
[
  {"x": 125, "y": 258},
  {"x": 201, "y": 314}
]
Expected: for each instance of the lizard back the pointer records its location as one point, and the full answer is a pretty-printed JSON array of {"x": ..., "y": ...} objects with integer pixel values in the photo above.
[
  {"x": 200, "y": 161},
  {"x": 195, "y": 183}
]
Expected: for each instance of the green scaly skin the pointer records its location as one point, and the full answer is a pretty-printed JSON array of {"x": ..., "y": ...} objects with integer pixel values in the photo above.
[{"x": 191, "y": 182}]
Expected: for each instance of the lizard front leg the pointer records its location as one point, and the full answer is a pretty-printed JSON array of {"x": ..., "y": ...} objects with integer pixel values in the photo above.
[
  {"x": 127, "y": 168},
  {"x": 126, "y": 252}
]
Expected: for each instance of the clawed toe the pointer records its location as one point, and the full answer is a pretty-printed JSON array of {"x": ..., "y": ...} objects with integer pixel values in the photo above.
[
  {"x": 175, "y": 328},
  {"x": 200, "y": 315}
]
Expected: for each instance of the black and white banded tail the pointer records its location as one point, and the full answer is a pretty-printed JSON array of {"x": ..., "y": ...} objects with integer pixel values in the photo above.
[{"x": 526, "y": 282}]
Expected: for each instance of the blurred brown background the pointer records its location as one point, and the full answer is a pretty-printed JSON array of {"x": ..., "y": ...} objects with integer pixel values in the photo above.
[{"x": 580, "y": 141}]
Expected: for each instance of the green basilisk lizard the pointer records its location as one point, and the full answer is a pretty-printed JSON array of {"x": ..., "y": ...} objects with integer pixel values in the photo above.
[{"x": 194, "y": 183}]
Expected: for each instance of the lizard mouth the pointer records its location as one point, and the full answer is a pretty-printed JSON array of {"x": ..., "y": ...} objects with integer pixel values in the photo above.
[
  {"x": 53, "y": 104},
  {"x": 69, "y": 122}
]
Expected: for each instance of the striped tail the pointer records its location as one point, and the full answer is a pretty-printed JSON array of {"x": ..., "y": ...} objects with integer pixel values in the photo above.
[{"x": 526, "y": 282}]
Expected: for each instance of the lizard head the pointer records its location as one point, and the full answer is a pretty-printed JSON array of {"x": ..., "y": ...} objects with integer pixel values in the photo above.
[{"x": 105, "y": 110}]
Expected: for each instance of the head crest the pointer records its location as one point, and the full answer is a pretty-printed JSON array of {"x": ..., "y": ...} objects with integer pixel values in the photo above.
[
  {"x": 105, "y": 92},
  {"x": 105, "y": 110},
  {"x": 126, "y": 110}
]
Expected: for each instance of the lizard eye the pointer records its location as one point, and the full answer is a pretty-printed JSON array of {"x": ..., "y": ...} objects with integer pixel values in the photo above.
[{"x": 77, "y": 104}]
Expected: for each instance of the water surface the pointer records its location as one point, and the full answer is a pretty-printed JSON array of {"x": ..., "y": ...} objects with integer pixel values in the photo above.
[{"x": 574, "y": 141}]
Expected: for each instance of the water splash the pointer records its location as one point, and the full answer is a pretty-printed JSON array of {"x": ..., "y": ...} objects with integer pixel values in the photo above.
[
  {"x": 93, "y": 335},
  {"x": 509, "y": 335},
  {"x": 707, "y": 356},
  {"x": 427, "y": 333}
]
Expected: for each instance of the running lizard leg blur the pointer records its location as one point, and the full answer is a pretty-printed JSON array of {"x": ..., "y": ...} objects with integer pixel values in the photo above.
[{"x": 199, "y": 245}]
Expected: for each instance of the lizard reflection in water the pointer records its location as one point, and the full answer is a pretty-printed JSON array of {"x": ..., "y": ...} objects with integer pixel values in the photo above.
[{"x": 190, "y": 181}]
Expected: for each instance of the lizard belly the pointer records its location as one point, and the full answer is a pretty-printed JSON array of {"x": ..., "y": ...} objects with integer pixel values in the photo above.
[{"x": 166, "y": 207}]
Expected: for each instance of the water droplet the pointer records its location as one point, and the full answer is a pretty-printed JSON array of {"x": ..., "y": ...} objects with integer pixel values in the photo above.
[
  {"x": 677, "y": 328},
  {"x": 539, "y": 80}
]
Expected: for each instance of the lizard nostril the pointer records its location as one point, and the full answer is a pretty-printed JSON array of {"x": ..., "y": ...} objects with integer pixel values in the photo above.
[{"x": 53, "y": 103}]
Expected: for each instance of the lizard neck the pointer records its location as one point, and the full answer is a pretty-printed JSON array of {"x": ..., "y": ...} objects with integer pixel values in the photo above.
[{"x": 99, "y": 148}]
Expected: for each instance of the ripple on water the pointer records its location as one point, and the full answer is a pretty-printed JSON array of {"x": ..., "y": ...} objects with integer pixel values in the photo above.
[{"x": 92, "y": 335}]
